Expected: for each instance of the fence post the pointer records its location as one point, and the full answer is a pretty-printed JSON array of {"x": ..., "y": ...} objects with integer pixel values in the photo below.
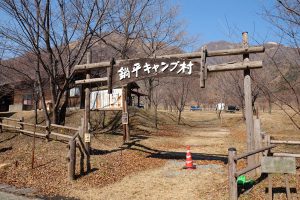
[
  {"x": 233, "y": 191},
  {"x": 81, "y": 127},
  {"x": 1, "y": 125},
  {"x": 81, "y": 135},
  {"x": 72, "y": 159},
  {"x": 257, "y": 144},
  {"x": 48, "y": 130},
  {"x": 21, "y": 125}
]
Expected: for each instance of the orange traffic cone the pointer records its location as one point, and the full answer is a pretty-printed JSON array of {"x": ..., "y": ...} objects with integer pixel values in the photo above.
[{"x": 189, "y": 160}]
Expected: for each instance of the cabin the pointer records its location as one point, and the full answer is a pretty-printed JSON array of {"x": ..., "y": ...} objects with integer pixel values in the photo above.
[{"x": 20, "y": 97}]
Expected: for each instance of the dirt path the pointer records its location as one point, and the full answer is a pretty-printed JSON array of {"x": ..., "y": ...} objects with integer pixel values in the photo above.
[{"x": 209, "y": 146}]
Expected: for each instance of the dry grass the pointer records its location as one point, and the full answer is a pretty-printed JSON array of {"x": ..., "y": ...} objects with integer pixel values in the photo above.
[{"x": 115, "y": 165}]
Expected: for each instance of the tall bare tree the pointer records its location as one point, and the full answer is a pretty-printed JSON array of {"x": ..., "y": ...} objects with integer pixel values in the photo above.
[
  {"x": 178, "y": 92},
  {"x": 58, "y": 33},
  {"x": 285, "y": 17}
]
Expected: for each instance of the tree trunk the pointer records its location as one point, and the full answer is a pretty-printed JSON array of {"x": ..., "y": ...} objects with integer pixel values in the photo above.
[
  {"x": 155, "y": 115},
  {"x": 63, "y": 110},
  {"x": 150, "y": 82},
  {"x": 42, "y": 95},
  {"x": 219, "y": 114},
  {"x": 270, "y": 105},
  {"x": 179, "y": 117},
  {"x": 55, "y": 115}
]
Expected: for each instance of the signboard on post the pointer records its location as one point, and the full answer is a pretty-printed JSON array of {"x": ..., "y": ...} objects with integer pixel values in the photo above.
[
  {"x": 138, "y": 69},
  {"x": 280, "y": 165},
  {"x": 102, "y": 100},
  {"x": 125, "y": 118}
]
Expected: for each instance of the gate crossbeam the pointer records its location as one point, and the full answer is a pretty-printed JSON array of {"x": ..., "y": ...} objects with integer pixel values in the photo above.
[{"x": 226, "y": 52}]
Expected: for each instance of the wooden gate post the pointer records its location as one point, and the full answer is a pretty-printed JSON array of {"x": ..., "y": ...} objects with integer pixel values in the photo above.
[
  {"x": 248, "y": 103},
  {"x": 126, "y": 133},
  {"x": 72, "y": 159},
  {"x": 81, "y": 135},
  {"x": 87, "y": 104},
  {"x": 233, "y": 190},
  {"x": 258, "y": 144},
  {"x": 48, "y": 130}
]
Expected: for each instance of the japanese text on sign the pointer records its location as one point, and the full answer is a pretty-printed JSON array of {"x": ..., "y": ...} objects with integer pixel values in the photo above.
[{"x": 178, "y": 67}]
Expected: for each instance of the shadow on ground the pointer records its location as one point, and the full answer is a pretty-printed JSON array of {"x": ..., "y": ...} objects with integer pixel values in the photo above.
[{"x": 156, "y": 153}]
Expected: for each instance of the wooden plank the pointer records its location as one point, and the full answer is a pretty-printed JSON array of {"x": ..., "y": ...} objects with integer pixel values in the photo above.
[
  {"x": 287, "y": 185},
  {"x": 131, "y": 71},
  {"x": 278, "y": 165},
  {"x": 247, "y": 169},
  {"x": 62, "y": 135},
  {"x": 226, "y": 52},
  {"x": 232, "y": 181},
  {"x": 9, "y": 126},
  {"x": 244, "y": 155},
  {"x": 195, "y": 72},
  {"x": 94, "y": 80},
  {"x": 285, "y": 142},
  {"x": 10, "y": 119},
  {"x": 65, "y": 127},
  {"x": 235, "y": 66},
  {"x": 28, "y": 124},
  {"x": 32, "y": 133},
  {"x": 287, "y": 155},
  {"x": 237, "y": 51},
  {"x": 109, "y": 109}
]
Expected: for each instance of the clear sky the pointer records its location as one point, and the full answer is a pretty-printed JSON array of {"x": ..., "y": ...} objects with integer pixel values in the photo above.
[{"x": 214, "y": 20}]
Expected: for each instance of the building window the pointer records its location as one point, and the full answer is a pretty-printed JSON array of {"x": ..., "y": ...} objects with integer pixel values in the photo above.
[
  {"x": 74, "y": 92},
  {"x": 27, "y": 99}
]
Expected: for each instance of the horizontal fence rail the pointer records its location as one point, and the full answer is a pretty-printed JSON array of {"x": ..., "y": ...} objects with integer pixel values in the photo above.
[
  {"x": 74, "y": 141},
  {"x": 245, "y": 155},
  {"x": 233, "y": 173},
  {"x": 285, "y": 142}
]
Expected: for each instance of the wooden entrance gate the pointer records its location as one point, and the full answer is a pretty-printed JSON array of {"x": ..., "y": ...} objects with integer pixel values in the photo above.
[{"x": 122, "y": 72}]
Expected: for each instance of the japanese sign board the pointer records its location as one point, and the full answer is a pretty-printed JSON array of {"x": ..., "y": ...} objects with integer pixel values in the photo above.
[
  {"x": 134, "y": 70},
  {"x": 278, "y": 165},
  {"x": 102, "y": 100},
  {"x": 125, "y": 118}
]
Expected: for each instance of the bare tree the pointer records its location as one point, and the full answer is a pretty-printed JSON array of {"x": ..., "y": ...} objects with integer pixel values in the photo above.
[
  {"x": 178, "y": 92},
  {"x": 285, "y": 17},
  {"x": 58, "y": 33},
  {"x": 162, "y": 33}
]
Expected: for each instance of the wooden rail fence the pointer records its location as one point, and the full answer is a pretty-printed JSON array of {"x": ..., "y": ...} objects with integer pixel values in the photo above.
[
  {"x": 74, "y": 138},
  {"x": 233, "y": 173},
  {"x": 283, "y": 142}
]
